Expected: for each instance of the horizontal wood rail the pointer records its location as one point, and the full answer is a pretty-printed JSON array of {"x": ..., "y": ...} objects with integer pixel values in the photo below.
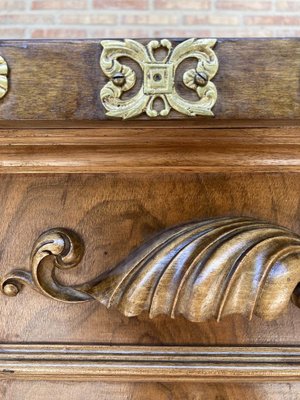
[
  {"x": 149, "y": 363},
  {"x": 59, "y": 82},
  {"x": 150, "y": 149}
]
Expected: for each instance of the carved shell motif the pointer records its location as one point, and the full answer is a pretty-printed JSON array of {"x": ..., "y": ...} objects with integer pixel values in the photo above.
[{"x": 201, "y": 270}]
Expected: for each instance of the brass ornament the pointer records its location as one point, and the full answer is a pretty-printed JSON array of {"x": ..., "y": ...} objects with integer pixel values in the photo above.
[
  {"x": 158, "y": 77},
  {"x": 201, "y": 270},
  {"x": 3, "y": 77}
]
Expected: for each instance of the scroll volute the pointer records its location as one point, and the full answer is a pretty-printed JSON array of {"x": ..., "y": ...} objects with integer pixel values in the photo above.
[{"x": 201, "y": 270}]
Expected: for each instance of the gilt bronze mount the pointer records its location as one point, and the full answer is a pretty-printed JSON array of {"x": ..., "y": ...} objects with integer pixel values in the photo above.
[{"x": 159, "y": 77}]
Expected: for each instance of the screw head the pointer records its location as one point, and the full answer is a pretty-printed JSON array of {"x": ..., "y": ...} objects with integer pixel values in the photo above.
[
  {"x": 201, "y": 78},
  {"x": 119, "y": 79},
  {"x": 157, "y": 77},
  {"x": 10, "y": 290}
]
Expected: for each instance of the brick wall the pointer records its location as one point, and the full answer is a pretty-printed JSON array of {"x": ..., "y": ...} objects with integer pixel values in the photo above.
[{"x": 148, "y": 18}]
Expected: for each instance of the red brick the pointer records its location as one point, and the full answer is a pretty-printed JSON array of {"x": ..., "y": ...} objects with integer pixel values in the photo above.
[
  {"x": 128, "y": 32},
  {"x": 12, "y": 33},
  {"x": 242, "y": 32},
  {"x": 288, "y": 5},
  {"x": 88, "y": 19},
  {"x": 96, "y": 33},
  {"x": 58, "y": 4},
  {"x": 15, "y": 5},
  {"x": 183, "y": 5},
  {"x": 121, "y": 4},
  {"x": 210, "y": 20},
  {"x": 286, "y": 32},
  {"x": 233, "y": 5},
  {"x": 58, "y": 33},
  {"x": 272, "y": 20},
  {"x": 150, "y": 19},
  {"x": 182, "y": 33},
  {"x": 26, "y": 19}
]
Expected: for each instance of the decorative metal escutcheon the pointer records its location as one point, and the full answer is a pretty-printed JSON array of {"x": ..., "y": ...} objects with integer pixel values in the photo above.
[
  {"x": 159, "y": 77},
  {"x": 3, "y": 77}
]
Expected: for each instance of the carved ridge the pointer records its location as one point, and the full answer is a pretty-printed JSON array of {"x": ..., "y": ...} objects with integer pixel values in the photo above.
[
  {"x": 201, "y": 270},
  {"x": 149, "y": 363}
]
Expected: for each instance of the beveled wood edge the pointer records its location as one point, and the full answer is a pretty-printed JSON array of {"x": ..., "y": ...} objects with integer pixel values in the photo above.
[
  {"x": 148, "y": 149},
  {"x": 149, "y": 363},
  {"x": 195, "y": 122}
]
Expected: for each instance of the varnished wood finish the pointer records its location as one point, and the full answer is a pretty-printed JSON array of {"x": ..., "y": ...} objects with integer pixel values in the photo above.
[
  {"x": 146, "y": 363},
  {"x": 147, "y": 150},
  {"x": 115, "y": 213},
  {"x": 119, "y": 184},
  {"x": 47, "y": 390},
  {"x": 200, "y": 270},
  {"x": 258, "y": 79}
]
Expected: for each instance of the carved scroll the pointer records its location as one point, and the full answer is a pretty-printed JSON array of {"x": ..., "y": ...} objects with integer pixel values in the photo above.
[
  {"x": 201, "y": 270},
  {"x": 3, "y": 77},
  {"x": 158, "y": 77}
]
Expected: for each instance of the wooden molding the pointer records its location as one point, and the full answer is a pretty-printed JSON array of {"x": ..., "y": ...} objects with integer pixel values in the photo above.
[
  {"x": 128, "y": 150},
  {"x": 201, "y": 270},
  {"x": 149, "y": 363}
]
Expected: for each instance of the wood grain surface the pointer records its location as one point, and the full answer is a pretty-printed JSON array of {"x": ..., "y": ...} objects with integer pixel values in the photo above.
[
  {"x": 115, "y": 213},
  {"x": 147, "y": 150},
  {"x": 59, "y": 81},
  {"x": 200, "y": 270},
  {"x": 42, "y": 390},
  {"x": 118, "y": 184},
  {"x": 149, "y": 363}
]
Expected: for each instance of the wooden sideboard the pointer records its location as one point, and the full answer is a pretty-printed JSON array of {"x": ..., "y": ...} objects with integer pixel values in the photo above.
[{"x": 150, "y": 225}]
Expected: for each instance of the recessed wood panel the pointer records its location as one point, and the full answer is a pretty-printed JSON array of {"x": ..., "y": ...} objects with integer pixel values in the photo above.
[{"x": 114, "y": 213}]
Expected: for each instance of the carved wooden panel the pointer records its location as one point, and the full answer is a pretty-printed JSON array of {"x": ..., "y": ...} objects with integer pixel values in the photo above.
[
  {"x": 105, "y": 209},
  {"x": 191, "y": 217},
  {"x": 200, "y": 270}
]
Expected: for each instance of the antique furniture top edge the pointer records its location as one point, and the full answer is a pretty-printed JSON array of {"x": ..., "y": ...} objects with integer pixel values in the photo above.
[{"x": 256, "y": 79}]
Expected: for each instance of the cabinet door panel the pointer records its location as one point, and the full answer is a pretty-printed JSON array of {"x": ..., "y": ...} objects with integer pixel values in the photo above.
[{"x": 114, "y": 213}]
